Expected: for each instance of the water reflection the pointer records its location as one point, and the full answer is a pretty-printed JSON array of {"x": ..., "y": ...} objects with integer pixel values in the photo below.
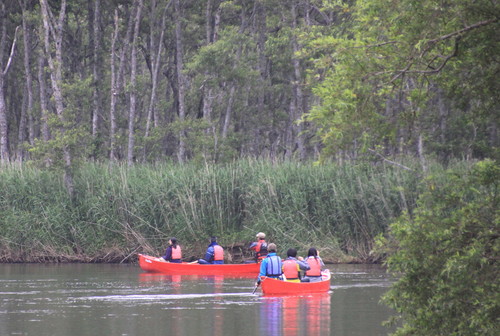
[
  {"x": 176, "y": 280},
  {"x": 99, "y": 299},
  {"x": 296, "y": 315}
]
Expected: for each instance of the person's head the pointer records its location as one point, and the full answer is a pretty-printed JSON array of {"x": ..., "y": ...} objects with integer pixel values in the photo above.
[
  {"x": 261, "y": 235},
  {"x": 312, "y": 252},
  {"x": 271, "y": 247},
  {"x": 173, "y": 241},
  {"x": 213, "y": 239},
  {"x": 291, "y": 252}
]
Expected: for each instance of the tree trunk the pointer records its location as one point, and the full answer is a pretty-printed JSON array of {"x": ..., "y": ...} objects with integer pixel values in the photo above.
[
  {"x": 420, "y": 151},
  {"x": 55, "y": 29},
  {"x": 229, "y": 108},
  {"x": 21, "y": 131},
  {"x": 43, "y": 98},
  {"x": 156, "y": 51},
  {"x": 95, "y": 32},
  {"x": 114, "y": 91},
  {"x": 4, "y": 134},
  {"x": 208, "y": 96},
  {"x": 133, "y": 88},
  {"x": 181, "y": 153},
  {"x": 232, "y": 85},
  {"x": 117, "y": 79},
  {"x": 298, "y": 96},
  {"x": 264, "y": 79},
  {"x": 29, "y": 84}
]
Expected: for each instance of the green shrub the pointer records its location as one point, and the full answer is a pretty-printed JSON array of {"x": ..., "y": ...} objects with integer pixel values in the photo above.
[{"x": 447, "y": 255}]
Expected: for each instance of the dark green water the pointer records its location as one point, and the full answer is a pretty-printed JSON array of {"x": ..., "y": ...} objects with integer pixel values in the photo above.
[{"x": 82, "y": 299}]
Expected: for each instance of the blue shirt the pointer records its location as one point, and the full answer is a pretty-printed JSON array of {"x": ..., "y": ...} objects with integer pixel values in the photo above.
[
  {"x": 210, "y": 254},
  {"x": 266, "y": 261}
]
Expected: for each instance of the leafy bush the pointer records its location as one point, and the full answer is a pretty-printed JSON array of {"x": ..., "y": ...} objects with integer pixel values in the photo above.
[{"x": 447, "y": 255}]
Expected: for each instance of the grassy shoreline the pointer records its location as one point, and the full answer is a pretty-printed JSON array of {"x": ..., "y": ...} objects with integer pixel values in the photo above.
[{"x": 120, "y": 211}]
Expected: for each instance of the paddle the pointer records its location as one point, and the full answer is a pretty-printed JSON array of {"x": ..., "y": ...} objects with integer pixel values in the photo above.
[
  {"x": 255, "y": 288},
  {"x": 257, "y": 284}
]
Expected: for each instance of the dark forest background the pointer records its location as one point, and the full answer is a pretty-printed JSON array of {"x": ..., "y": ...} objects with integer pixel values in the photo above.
[{"x": 213, "y": 81}]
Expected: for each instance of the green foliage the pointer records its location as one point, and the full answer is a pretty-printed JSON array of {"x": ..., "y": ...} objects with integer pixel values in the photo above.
[
  {"x": 447, "y": 255},
  {"x": 130, "y": 209},
  {"x": 50, "y": 153},
  {"x": 384, "y": 75}
]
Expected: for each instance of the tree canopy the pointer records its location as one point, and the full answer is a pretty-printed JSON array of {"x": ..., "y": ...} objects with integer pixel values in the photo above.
[
  {"x": 406, "y": 75},
  {"x": 217, "y": 80}
]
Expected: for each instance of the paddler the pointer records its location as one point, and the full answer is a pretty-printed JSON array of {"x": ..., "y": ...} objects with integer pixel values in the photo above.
[{"x": 173, "y": 252}]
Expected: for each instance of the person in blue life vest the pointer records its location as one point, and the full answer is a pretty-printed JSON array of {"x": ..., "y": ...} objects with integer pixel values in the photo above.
[
  {"x": 315, "y": 266},
  {"x": 293, "y": 265},
  {"x": 271, "y": 266},
  {"x": 173, "y": 252},
  {"x": 259, "y": 246},
  {"x": 214, "y": 254}
]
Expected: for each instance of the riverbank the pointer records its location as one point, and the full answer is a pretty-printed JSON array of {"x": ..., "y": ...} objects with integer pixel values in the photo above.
[{"x": 234, "y": 253}]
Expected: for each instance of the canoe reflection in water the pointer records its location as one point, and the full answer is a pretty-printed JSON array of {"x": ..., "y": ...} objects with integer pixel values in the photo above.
[{"x": 296, "y": 315}]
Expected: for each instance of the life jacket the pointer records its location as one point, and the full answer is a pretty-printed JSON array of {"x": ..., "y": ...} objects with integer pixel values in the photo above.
[
  {"x": 274, "y": 266},
  {"x": 218, "y": 253},
  {"x": 261, "y": 249},
  {"x": 176, "y": 252},
  {"x": 290, "y": 269},
  {"x": 315, "y": 266}
]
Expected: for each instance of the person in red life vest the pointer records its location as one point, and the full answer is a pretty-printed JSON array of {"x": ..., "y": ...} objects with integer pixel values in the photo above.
[
  {"x": 214, "y": 254},
  {"x": 292, "y": 266},
  {"x": 315, "y": 266},
  {"x": 173, "y": 252},
  {"x": 259, "y": 246}
]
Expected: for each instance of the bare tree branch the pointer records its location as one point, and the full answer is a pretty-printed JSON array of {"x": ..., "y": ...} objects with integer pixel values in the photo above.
[
  {"x": 390, "y": 161},
  {"x": 12, "y": 49}
]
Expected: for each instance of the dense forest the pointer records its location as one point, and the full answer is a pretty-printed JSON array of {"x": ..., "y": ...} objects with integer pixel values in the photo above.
[{"x": 213, "y": 80}]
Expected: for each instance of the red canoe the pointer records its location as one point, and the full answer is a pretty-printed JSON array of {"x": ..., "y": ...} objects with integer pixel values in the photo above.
[
  {"x": 153, "y": 264},
  {"x": 272, "y": 286}
]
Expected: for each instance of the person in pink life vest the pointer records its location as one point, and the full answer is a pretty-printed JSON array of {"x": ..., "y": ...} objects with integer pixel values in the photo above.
[
  {"x": 214, "y": 254},
  {"x": 173, "y": 252},
  {"x": 315, "y": 266}
]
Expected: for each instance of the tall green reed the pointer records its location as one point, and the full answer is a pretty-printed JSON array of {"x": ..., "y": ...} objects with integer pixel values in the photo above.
[{"x": 119, "y": 210}]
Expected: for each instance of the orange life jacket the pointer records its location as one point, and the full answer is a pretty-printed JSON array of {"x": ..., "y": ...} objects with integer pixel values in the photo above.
[
  {"x": 315, "y": 266},
  {"x": 261, "y": 249},
  {"x": 218, "y": 252},
  {"x": 290, "y": 269},
  {"x": 176, "y": 252}
]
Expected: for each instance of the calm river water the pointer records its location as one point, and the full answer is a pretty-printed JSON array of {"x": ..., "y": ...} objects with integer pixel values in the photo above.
[{"x": 83, "y": 299}]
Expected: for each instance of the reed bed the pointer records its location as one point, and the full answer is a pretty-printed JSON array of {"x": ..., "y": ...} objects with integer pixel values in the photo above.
[{"x": 120, "y": 211}]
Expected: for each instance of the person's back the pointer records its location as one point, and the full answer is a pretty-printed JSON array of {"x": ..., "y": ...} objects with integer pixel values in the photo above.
[
  {"x": 260, "y": 247},
  {"x": 292, "y": 266},
  {"x": 214, "y": 253},
  {"x": 271, "y": 266},
  {"x": 173, "y": 253},
  {"x": 218, "y": 256},
  {"x": 315, "y": 266}
]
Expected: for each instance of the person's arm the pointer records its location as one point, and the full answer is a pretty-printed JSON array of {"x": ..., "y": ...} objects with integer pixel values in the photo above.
[
  {"x": 168, "y": 254},
  {"x": 209, "y": 255},
  {"x": 263, "y": 268},
  {"x": 304, "y": 266},
  {"x": 252, "y": 246}
]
